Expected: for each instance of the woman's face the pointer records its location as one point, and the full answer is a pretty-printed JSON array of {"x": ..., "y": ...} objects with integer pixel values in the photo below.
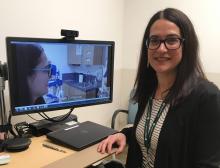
[
  {"x": 38, "y": 82},
  {"x": 164, "y": 60}
]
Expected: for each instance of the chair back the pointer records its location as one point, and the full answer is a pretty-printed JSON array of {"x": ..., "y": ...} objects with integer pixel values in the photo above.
[{"x": 132, "y": 108}]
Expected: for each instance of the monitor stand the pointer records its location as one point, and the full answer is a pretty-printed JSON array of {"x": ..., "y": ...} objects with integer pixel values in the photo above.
[{"x": 44, "y": 126}]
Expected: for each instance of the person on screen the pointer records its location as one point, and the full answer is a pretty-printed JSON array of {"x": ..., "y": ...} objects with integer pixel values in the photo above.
[
  {"x": 178, "y": 120},
  {"x": 33, "y": 72}
]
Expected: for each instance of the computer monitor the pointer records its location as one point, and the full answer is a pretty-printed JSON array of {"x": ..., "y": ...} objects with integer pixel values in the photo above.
[{"x": 54, "y": 74}]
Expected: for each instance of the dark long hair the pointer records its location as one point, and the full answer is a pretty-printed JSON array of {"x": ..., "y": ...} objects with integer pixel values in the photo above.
[
  {"x": 188, "y": 71},
  {"x": 27, "y": 58}
]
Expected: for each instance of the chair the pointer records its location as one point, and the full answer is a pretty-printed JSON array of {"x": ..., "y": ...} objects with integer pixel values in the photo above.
[{"x": 131, "y": 111}]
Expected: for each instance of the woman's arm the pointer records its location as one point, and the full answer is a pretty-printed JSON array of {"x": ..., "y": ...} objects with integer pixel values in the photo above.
[
  {"x": 127, "y": 132},
  {"x": 207, "y": 133}
]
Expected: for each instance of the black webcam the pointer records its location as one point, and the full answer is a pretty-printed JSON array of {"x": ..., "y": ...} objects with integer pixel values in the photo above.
[{"x": 69, "y": 34}]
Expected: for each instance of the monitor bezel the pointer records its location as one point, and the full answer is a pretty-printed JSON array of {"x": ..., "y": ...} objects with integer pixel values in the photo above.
[{"x": 11, "y": 69}]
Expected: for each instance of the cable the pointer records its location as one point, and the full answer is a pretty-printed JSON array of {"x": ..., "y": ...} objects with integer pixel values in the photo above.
[
  {"x": 23, "y": 129},
  {"x": 10, "y": 126},
  {"x": 58, "y": 118},
  {"x": 32, "y": 117}
]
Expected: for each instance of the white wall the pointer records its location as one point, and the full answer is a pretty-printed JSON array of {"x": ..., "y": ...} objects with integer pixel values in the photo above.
[
  {"x": 204, "y": 14},
  {"x": 94, "y": 19}
]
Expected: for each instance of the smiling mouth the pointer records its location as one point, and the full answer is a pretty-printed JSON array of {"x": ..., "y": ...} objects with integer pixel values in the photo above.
[{"x": 162, "y": 58}]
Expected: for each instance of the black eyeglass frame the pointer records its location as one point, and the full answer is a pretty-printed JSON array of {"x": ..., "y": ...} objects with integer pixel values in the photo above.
[
  {"x": 47, "y": 68},
  {"x": 181, "y": 40}
]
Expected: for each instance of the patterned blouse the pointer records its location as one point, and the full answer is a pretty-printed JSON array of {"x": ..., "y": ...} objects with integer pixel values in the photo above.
[{"x": 148, "y": 158}]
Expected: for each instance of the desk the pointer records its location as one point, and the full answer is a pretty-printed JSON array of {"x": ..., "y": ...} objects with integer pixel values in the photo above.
[{"x": 37, "y": 156}]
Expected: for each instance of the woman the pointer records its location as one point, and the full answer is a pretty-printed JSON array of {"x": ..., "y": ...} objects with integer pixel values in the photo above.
[
  {"x": 33, "y": 71},
  {"x": 178, "y": 120}
]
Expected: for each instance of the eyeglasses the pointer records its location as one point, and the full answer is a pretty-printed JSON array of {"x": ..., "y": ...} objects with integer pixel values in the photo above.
[
  {"x": 171, "y": 43},
  {"x": 46, "y": 69}
]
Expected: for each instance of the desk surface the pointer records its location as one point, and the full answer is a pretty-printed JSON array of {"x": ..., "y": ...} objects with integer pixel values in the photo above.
[{"x": 37, "y": 156}]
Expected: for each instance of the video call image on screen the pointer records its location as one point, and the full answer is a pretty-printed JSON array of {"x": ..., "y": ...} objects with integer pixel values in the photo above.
[{"x": 57, "y": 75}]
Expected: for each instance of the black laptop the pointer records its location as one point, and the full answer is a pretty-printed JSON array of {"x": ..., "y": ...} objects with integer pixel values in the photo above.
[{"x": 81, "y": 135}]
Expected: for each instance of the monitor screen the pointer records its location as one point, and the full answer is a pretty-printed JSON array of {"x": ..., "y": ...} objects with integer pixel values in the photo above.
[{"x": 53, "y": 74}]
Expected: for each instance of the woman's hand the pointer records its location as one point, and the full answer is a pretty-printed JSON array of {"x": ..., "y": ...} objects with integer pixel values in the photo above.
[{"x": 106, "y": 145}]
